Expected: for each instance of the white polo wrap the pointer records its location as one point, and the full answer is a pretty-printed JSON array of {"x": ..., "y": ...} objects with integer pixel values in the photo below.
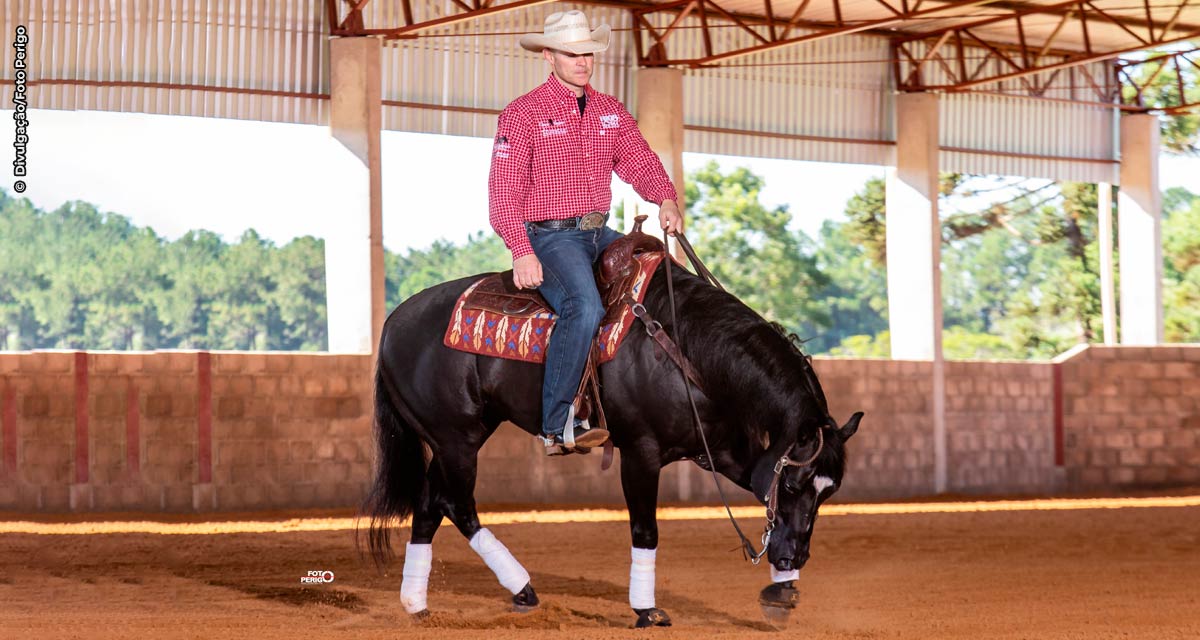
[
  {"x": 509, "y": 572},
  {"x": 641, "y": 578},
  {"x": 414, "y": 587}
]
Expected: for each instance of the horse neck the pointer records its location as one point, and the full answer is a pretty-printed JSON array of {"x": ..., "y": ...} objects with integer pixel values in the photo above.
[{"x": 763, "y": 378}]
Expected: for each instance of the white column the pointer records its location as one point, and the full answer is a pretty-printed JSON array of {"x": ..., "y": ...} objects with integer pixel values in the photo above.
[
  {"x": 914, "y": 244},
  {"x": 660, "y": 117},
  {"x": 1139, "y": 232},
  {"x": 354, "y": 272},
  {"x": 1108, "y": 305}
]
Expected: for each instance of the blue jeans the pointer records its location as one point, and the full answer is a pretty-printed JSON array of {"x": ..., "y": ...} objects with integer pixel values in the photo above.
[{"x": 569, "y": 285}]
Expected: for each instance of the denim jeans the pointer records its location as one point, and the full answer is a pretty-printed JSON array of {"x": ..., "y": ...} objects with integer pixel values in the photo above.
[{"x": 569, "y": 285}]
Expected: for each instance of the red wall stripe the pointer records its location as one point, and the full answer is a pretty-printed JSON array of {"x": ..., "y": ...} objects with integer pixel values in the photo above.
[
  {"x": 133, "y": 443},
  {"x": 1058, "y": 415},
  {"x": 82, "y": 444},
  {"x": 204, "y": 416},
  {"x": 9, "y": 424}
]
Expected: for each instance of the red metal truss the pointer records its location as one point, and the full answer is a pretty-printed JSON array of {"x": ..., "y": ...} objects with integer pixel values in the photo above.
[
  {"x": 1147, "y": 83},
  {"x": 770, "y": 31},
  {"x": 352, "y": 23},
  {"x": 958, "y": 59}
]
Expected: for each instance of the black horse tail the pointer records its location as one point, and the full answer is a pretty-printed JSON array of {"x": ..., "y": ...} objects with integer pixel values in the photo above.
[{"x": 399, "y": 466}]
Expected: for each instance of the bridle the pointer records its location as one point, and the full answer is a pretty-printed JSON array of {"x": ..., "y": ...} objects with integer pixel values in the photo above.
[
  {"x": 655, "y": 330},
  {"x": 772, "y": 497}
]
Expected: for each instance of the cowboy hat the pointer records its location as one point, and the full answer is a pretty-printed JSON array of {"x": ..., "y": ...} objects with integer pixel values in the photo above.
[{"x": 568, "y": 31}]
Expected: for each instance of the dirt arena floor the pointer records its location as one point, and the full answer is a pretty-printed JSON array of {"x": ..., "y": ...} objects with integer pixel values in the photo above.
[{"x": 1021, "y": 572}]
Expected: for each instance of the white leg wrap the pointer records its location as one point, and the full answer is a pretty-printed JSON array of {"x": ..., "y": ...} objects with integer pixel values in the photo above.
[
  {"x": 414, "y": 587},
  {"x": 641, "y": 578},
  {"x": 784, "y": 576},
  {"x": 509, "y": 572}
]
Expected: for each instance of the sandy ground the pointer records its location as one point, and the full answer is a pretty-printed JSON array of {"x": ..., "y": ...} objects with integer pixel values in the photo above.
[{"x": 1016, "y": 573}]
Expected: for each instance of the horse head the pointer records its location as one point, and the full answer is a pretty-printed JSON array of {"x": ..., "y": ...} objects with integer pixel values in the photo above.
[{"x": 793, "y": 477}]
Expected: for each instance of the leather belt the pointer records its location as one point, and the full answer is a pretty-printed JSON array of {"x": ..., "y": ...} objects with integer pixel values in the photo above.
[{"x": 587, "y": 222}]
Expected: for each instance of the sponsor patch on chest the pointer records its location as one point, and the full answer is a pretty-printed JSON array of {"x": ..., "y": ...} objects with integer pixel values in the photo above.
[
  {"x": 552, "y": 127},
  {"x": 610, "y": 121}
]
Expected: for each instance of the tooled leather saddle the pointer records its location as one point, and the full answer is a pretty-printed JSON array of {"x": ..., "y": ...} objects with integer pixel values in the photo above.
[{"x": 495, "y": 318}]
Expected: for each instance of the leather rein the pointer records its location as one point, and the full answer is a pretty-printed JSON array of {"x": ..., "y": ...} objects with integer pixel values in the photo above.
[{"x": 655, "y": 330}]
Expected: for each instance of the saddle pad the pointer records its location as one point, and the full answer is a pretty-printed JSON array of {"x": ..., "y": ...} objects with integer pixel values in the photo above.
[{"x": 524, "y": 336}]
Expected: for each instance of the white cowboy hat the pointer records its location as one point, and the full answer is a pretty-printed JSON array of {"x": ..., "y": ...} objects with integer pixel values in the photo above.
[{"x": 568, "y": 31}]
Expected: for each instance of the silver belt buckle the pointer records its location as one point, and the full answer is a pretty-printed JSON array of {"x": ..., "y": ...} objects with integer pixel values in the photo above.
[{"x": 591, "y": 221}]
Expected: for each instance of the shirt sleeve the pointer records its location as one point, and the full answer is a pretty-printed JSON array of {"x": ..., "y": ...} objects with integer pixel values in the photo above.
[
  {"x": 509, "y": 182},
  {"x": 637, "y": 164}
]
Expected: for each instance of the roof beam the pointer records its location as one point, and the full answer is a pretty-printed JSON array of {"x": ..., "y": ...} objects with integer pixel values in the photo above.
[
  {"x": 1136, "y": 87},
  {"x": 352, "y": 24},
  {"x": 1029, "y": 57},
  {"x": 770, "y": 38}
]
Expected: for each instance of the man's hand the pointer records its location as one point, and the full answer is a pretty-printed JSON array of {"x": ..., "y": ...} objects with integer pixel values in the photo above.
[
  {"x": 669, "y": 217},
  {"x": 527, "y": 272}
]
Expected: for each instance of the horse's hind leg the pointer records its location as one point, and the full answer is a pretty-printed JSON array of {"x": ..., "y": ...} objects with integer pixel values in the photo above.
[
  {"x": 458, "y": 485},
  {"x": 418, "y": 555}
]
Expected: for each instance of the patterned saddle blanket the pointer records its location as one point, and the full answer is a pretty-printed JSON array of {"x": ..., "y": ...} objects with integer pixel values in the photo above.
[{"x": 494, "y": 318}]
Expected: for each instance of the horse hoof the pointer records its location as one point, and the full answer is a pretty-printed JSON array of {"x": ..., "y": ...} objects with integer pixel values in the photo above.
[
  {"x": 653, "y": 617},
  {"x": 776, "y": 616},
  {"x": 525, "y": 600},
  {"x": 421, "y": 616},
  {"x": 777, "y": 601},
  {"x": 779, "y": 595}
]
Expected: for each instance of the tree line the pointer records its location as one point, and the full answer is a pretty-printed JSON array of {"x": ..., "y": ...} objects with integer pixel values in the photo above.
[
  {"x": 1020, "y": 272},
  {"x": 1020, "y": 277}
]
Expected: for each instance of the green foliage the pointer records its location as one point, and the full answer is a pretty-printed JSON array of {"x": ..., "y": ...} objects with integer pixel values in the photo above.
[
  {"x": 1180, "y": 133},
  {"x": 1181, "y": 233},
  {"x": 76, "y": 278},
  {"x": 422, "y": 268},
  {"x": 1020, "y": 276},
  {"x": 751, "y": 250}
]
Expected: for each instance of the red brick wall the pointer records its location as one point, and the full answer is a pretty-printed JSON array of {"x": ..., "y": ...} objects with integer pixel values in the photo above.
[
  {"x": 1131, "y": 417},
  {"x": 293, "y": 430}
]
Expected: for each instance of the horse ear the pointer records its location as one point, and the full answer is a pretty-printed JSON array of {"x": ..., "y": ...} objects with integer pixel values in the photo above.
[{"x": 850, "y": 427}]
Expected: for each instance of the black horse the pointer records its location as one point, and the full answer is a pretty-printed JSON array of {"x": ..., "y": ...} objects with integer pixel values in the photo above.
[{"x": 759, "y": 402}]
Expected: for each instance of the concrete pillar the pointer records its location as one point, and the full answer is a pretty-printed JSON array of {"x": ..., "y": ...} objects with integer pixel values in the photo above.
[
  {"x": 914, "y": 251},
  {"x": 660, "y": 117},
  {"x": 1139, "y": 232},
  {"x": 1108, "y": 305},
  {"x": 354, "y": 271}
]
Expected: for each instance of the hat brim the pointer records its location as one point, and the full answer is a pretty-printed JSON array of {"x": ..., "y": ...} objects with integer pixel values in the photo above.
[{"x": 599, "y": 42}]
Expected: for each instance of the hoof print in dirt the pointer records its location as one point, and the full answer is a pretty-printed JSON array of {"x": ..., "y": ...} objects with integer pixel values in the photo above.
[
  {"x": 525, "y": 600},
  {"x": 653, "y": 617}
]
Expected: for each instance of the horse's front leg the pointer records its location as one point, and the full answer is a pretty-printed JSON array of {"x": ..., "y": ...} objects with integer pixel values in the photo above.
[{"x": 639, "y": 480}]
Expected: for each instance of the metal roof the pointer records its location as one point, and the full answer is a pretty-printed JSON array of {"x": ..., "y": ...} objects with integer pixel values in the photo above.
[{"x": 822, "y": 89}]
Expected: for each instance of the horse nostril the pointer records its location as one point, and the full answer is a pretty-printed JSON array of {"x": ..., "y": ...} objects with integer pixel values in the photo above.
[{"x": 784, "y": 565}]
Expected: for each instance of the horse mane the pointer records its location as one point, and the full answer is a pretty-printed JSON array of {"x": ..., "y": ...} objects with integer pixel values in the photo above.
[{"x": 751, "y": 368}]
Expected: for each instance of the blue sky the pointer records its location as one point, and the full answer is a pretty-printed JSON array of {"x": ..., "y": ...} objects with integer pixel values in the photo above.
[{"x": 175, "y": 173}]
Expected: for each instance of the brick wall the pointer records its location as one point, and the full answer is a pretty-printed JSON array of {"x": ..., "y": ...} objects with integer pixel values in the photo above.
[
  {"x": 181, "y": 431},
  {"x": 1131, "y": 417}
]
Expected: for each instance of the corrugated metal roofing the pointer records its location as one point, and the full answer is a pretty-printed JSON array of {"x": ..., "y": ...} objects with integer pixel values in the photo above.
[{"x": 827, "y": 100}]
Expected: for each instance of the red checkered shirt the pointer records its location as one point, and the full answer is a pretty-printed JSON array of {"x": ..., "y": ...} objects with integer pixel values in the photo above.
[{"x": 549, "y": 163}]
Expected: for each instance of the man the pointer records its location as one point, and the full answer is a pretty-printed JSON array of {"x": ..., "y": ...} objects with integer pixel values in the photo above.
[{"x": 549, "y": 190}]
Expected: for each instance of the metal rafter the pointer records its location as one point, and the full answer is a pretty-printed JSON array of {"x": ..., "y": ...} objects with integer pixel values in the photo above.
[
  {"x": 966, "y": 69},
  {"x": 1138, "y": 76},
  {"x": 352, "y": 24},
  {"x": 768, "y": 32}
]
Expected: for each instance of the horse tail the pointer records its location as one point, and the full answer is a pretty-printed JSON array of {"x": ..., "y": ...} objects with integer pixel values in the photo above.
[{"x": 400, "y": 465}]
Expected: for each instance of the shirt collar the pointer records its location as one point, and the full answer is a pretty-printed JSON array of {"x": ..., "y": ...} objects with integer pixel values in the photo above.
[{"x": 557, "y": 89}]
